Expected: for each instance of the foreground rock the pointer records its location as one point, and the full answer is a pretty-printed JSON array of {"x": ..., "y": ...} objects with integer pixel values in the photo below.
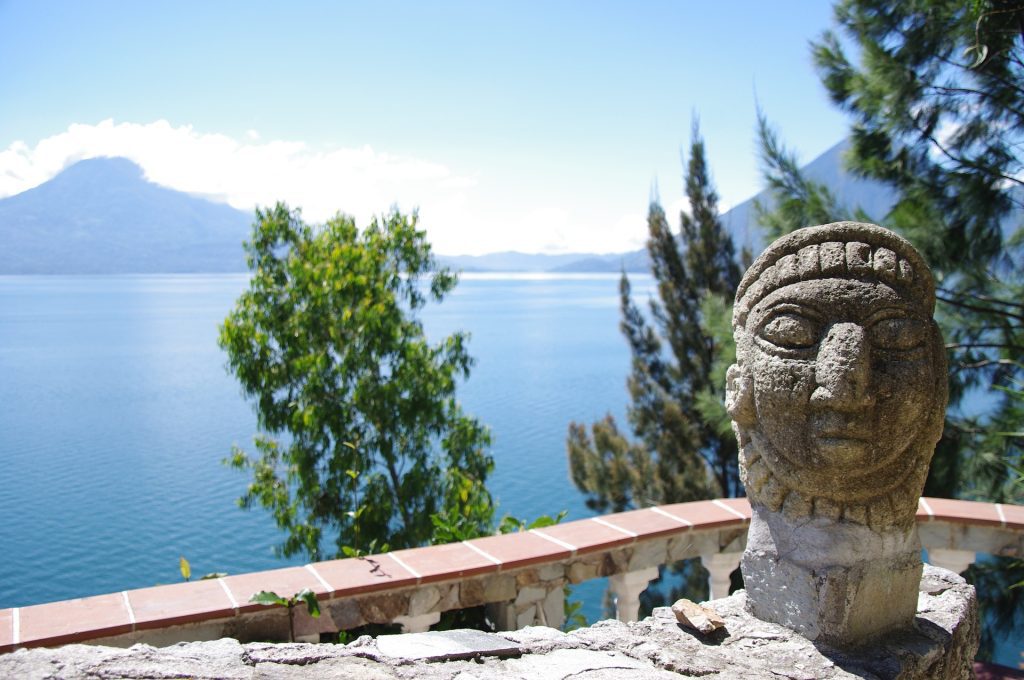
[{"x": 940, "y": 645}]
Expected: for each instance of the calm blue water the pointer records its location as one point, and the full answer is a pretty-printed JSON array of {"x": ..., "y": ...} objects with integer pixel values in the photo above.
[{"x": 117, "y": 410}]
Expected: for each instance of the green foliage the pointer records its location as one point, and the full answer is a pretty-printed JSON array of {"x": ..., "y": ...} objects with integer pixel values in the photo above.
[
  {"x": 681, "y": 452},
  {"x": 795, "y": 201},
  {"x": 937, "y": 109},
  {"x": 511, "y": 525},
  {"x": 936, "y": 102},
  {"x": 270, "y": 599},
  {"x": 574, "y": 617},
  {"x": 362, "y": 440}
]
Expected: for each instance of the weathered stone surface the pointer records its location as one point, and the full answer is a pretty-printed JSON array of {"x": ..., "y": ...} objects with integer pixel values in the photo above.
[
  {"x": 699, "y": 618},
  {"x": 498, "y": 588},
  {"x": 550, "y": 572},
  {"x": 445, "y": 645},
  {"x": 837, "y": 398},
  {"x": 472, "y": 593},
  {"x": 384, "y": 608},
  {"x": 530, "y": 594},
  {"x": 581, "y": 571},
  {"x": 939, "y": 646},
  {"x": 554, "y": 607},
  {"x": 648, "y": 554}
]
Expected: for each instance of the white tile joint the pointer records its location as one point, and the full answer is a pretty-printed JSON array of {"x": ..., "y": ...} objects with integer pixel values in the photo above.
[
  {"x": 554, "y": 540},
  {"x": 603, "y": 522},
  {"x": 128, "y": 608},
  {"x": 482, "y": 553},
  {"x": 227, "y": 591},
  {"x": 325, "y": 584},
  {"x": 734, "y": 511},
  {"x": 405, "y": 566},
  {"x": 671, "y": 516},
  {"x": 1002, "y": 515}
]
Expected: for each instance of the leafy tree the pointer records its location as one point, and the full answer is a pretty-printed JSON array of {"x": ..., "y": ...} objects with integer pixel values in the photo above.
[
  {"x": 362, "y": 440},
  {"x": 937, "y": 108},
  {"x": 681, "y": 452}
]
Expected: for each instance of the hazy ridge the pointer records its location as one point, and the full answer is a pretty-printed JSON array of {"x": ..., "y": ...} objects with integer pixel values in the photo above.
[{"x": 101, "y": 216}]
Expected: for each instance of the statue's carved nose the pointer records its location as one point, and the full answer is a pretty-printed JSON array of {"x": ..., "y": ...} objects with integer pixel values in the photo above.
[{"x": 843, "y": 369}]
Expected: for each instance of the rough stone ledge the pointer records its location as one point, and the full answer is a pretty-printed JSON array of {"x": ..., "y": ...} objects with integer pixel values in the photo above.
[{"x": 941, "y": 646}]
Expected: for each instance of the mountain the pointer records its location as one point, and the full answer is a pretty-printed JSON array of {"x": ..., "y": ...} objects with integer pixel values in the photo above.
[
  {"x": 512, "y": 261},
  {"x": 101, "y": 216},
  {"x": 874, "y": 198}
]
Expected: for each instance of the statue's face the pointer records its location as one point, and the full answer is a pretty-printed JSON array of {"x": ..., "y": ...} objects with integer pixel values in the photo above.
[{"x": 843, "y": 380}]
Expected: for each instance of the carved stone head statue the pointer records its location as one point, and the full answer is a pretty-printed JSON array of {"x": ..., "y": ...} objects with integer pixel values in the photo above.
[
  {"x": 837, "y": 398},
  {"x": 839, "y": 389}
]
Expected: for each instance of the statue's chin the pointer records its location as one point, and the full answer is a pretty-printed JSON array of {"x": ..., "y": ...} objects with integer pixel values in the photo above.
[
  {"x": 842, "y": 469},
  {"x": 843, "y": 452}
]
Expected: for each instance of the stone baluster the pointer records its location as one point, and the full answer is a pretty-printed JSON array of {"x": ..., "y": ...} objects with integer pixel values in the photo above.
[
  {"x": 955, "y": 560},
  {"x": 627, "y": 587},
  {"x": 720, "y": 567},
  {"x": 420, "y": 623}
]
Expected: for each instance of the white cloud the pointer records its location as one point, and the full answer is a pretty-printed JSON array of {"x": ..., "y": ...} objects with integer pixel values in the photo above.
[
  {"x": 359, "y": 181},
  {"x": 457, "y": 208}
]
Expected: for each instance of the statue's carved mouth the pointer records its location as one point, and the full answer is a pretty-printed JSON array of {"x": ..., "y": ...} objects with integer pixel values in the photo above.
[{"x": 838, "y": 426}]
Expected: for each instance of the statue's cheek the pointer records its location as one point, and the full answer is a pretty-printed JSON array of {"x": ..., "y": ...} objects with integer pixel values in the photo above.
[{"x": 779, "y": 380}]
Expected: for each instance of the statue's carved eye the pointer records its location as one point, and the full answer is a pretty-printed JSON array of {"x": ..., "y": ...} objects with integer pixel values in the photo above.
[
  {"x": 790, "y": 331},
  {"x": 898, "y": 333}
]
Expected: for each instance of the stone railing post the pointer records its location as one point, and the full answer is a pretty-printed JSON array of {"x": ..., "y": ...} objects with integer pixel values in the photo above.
[
  {"x": 720, "y": 567},
  {"x": 955, "y": 560},
  {"x": 627, "y": 587},
  {"x": 420, "y": 623}
]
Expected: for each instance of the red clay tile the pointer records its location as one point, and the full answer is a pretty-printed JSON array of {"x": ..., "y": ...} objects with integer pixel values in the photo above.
[
  {"x": 740, "y": 505},
  {"x": 179, "y": 603},
  {"x": 86, "y": 618},
  {"x": 922, "y": 515},
  {"x": 363, "y": 575},
  {"x": 587, "y": 535},
  {"x": 285, "y": 582},
  {"x": 965, "y": 512},
  {"x": 646, "y": 523},
  {"x": 6, "y": 630},
  {"x": 704, "y": 514},
  {"x": 1014, "y": 515},
  {"x": 520, "y": 549},
  {"x": 445, "y": 562}
]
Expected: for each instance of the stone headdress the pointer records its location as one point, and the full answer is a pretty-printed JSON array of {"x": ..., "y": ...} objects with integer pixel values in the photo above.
[{"x": 838, "y": 250}]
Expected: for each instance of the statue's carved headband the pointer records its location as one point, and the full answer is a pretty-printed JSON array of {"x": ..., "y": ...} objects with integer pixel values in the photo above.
[{"x": 841, "y": 250}]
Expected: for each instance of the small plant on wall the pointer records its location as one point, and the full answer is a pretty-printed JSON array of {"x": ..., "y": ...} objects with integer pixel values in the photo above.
[{"x": 306, "y": 595}]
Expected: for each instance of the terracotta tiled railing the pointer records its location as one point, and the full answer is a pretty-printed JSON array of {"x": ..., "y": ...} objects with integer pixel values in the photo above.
[{"x": 519, "y": 576}]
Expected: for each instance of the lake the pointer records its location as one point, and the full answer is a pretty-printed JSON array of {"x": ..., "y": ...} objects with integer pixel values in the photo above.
[{"x": 117, "y": 411}]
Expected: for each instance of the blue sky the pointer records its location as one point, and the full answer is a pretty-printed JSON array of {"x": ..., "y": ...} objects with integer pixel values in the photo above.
[{"x": 538, "y": 127}]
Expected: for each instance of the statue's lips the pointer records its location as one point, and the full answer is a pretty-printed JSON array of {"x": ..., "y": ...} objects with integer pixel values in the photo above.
[{"x": 834, "y": 427}]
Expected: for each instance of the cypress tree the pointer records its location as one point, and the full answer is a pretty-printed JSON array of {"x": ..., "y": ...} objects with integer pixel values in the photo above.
[{"x": 680, "y": 451}]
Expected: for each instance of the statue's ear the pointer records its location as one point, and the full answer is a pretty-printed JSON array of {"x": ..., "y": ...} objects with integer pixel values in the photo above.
[{"x": 739, "y": 396}]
